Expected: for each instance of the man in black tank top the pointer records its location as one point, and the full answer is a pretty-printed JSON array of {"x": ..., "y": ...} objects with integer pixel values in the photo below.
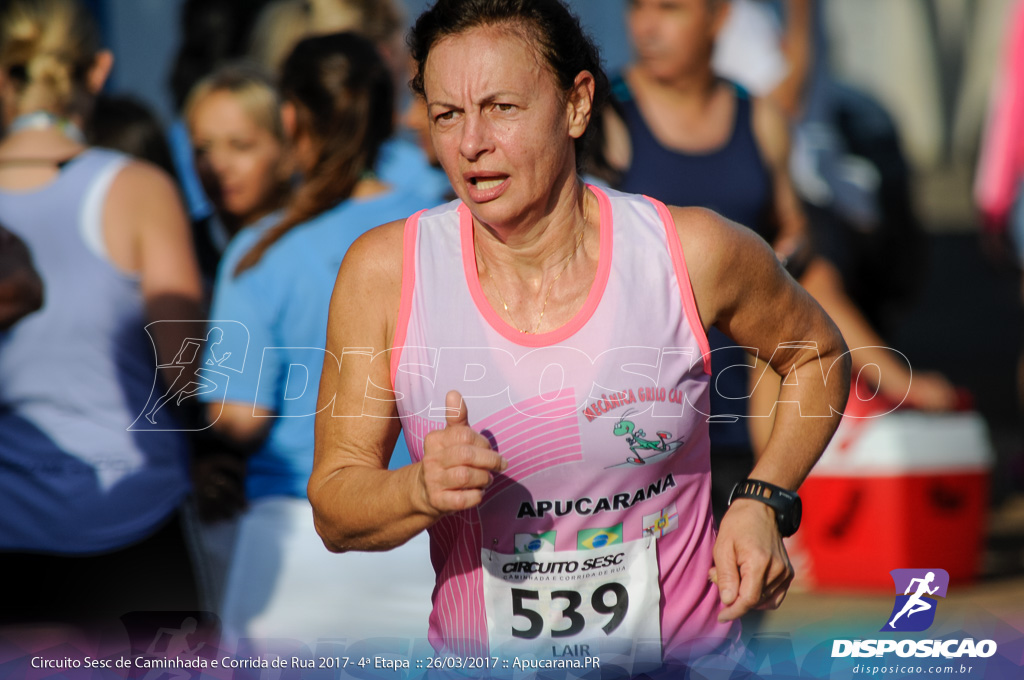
[{"x": 679, "y": 133}]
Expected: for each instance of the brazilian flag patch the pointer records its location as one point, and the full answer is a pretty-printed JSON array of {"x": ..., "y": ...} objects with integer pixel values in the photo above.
[
  {"x": 534, "y": 543},
  {"x": 592, "y": 539}
]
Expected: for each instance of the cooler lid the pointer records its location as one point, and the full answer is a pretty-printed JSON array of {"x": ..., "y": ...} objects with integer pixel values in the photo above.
[{"x": 908, "y": 442}]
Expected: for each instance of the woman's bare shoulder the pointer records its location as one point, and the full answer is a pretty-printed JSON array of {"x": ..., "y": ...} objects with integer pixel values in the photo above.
[
  {"x": 368, "y": 290},
  {"x": 377, "y": 255},
  {"x": 139, "y": 181}
]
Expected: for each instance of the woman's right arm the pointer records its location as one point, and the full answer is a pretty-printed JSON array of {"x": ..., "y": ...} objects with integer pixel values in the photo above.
[{"x": 358, "y": 504}]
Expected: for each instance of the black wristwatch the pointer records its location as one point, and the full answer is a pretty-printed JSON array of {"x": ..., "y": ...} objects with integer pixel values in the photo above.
[{"x": 787, "y": 505}]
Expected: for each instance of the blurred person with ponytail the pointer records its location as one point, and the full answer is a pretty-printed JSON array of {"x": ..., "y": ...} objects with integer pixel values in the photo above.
[
  {"x": 89, "y": 498},
  {"x": 400, "y": 162},
  {"x": 337, "y": 111}
]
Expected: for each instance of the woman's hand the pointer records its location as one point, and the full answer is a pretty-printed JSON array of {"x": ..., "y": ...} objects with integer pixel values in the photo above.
[
  {"x": 752, "y": 569},
  {"x": 458, "y": 463}
]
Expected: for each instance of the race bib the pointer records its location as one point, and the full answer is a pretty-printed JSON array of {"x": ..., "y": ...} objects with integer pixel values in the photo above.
[{"x": 603, "y": 602}]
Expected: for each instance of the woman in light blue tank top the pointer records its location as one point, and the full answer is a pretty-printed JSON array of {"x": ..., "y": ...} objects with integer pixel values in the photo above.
[
  {"x": 89, "y": 488},
  {"x": 270, "y": 315}
]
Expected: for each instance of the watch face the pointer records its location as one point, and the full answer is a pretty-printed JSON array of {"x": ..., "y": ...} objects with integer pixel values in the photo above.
[{"x": 796, "y": 514}]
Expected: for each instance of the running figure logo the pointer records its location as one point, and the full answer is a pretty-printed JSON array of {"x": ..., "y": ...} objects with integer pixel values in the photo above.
[
  {"x": 202, "y": 365},
  {"x": 196, "y": 384},
  {"x": 914, "y": 610},
  {"x": 175, "y": 645}
]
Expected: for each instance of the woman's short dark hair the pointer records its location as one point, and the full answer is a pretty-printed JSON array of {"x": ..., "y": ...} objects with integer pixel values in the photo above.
[{"x": 555, "y": 31}]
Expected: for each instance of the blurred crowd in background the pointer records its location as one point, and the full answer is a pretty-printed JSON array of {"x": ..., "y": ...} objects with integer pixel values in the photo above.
[{"x": 279, "y": 141}]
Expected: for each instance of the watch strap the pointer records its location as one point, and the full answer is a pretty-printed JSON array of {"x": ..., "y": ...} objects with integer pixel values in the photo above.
[{"x": 786, "y": 503}]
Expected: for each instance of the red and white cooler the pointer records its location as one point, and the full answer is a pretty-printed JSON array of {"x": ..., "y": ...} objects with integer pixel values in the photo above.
[{"x": 895, "y": 490}]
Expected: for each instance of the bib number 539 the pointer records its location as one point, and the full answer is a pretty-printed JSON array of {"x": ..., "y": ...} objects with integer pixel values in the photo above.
[{"x": 608, "y": 599}]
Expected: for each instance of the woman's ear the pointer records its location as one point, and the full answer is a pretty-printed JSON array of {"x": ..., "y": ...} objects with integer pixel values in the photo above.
[
  {"x": 99, "y": 71},
  {"x": 581, "y": 103}
]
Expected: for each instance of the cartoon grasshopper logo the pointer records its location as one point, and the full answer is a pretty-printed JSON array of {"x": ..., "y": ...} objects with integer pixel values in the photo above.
[{"x": 653, "y": 450}]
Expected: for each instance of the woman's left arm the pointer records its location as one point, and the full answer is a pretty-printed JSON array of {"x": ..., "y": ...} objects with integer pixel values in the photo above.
[
  {"x": 740, "y": 287},
  {"x": 148, "y": 235}
]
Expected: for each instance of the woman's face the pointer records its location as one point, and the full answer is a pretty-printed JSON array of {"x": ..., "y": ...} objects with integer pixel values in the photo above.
[
  {"x": 238, "y": 160},
  {"x": 674, "y": 38},
  {"x": 501, "y": 127}
]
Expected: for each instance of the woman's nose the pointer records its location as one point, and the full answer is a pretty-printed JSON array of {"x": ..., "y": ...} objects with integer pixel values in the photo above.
[{"x": 475, "y": 136}]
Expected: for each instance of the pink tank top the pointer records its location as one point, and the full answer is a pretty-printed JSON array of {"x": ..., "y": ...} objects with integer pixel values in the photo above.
[{"x": 597, "y": 539}]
